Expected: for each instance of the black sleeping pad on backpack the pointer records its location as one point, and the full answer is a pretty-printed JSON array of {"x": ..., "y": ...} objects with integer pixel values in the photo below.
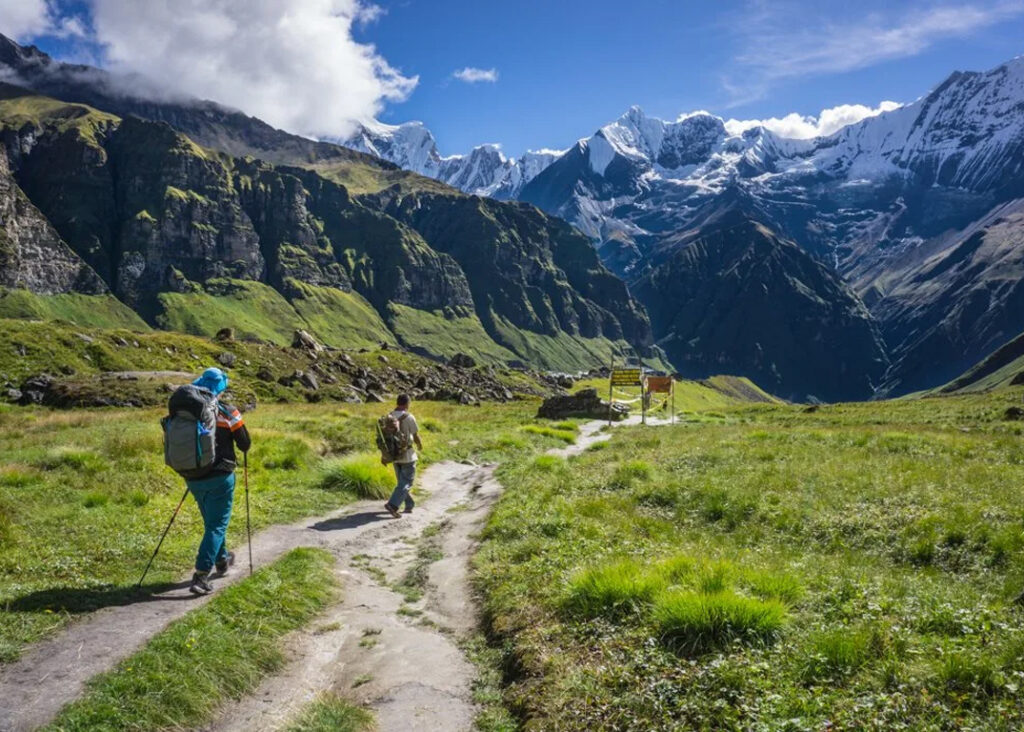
[{"x": 189, "y": 398}]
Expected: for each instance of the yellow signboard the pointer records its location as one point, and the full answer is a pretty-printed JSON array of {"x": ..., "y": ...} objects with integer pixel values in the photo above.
[{"x": 627, "y": 377}]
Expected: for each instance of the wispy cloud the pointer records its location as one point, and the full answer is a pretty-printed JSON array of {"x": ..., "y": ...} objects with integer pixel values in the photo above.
[
  {"x": 472, "y": 75},
  {"x": 369, "y": 13},
  {"x": 780, "y": 42},
  {"x": 804, "y": 127}
]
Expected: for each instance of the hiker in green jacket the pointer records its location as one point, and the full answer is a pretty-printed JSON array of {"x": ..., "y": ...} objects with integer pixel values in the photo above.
[{"x": 214, "y": 494}]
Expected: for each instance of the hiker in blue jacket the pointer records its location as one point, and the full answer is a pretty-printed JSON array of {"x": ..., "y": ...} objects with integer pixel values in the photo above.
[{"x": 214, "y": 494}]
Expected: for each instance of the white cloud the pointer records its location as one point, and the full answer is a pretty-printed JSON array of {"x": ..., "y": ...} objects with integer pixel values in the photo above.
[
  {"x": 26, "y": 19},
  {"x": 292, "y": 63},
  {"x": 472, "y": 75},
  {"x": 783, "y": 41},
  {"x": 804, "y": 127}
]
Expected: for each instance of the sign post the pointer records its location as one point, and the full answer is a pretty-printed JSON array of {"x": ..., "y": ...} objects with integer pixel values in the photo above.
[
  {"x": 663, "y": 385},
  {"x": 611, "y": 390},
  {"x": 643, "y": 401}
]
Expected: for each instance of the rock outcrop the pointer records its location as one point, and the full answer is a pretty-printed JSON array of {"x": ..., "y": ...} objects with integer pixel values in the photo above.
[
  {"x": 584, "y": 404},
  {"x": 32, "y": 254}
]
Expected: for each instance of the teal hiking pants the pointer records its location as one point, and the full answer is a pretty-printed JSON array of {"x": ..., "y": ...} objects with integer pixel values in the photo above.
[{"x": 214, "y": 496}]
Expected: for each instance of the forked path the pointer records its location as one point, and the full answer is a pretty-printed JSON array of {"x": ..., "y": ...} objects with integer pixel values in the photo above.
[{"x": 399, "y": 658}]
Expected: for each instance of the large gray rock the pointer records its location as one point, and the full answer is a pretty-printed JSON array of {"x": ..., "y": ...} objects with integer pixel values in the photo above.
[{"x": 585, "y": 404}]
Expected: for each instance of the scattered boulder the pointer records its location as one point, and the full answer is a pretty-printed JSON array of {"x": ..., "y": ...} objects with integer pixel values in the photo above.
[
  {"x": 305, "y": 341},
  {"x": 84, "y": 337},
  {"x": 225, "y": 334},
  {"x": 119, "y": 341},
  {"x": 265, "y": 374},
  {"x": 14, "y": 395},
  {"x": 35, "y": 389},
  {"x": 226, "y": 359},
  {"x": 374, "y": 397},
  {"x": 585, "y": 404},
  {"x": 1013, "y": 413},
  {"x": 1018, "y": 379},
  {"x": 308, "y": 380},
  {"x": 462, "y": 361},
  {"x": 383, "y": 359}
]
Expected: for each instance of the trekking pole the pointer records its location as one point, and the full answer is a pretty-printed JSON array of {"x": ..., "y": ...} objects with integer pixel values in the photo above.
[
  {"x": 160, "y": 543},
  {"x": 248, "y": 523}
]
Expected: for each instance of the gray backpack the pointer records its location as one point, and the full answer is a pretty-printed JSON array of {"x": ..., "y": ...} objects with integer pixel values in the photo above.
[{"x": 190, "y": 431}]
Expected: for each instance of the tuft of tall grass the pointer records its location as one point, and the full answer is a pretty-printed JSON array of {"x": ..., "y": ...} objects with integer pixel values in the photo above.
[
  {"x": 330, "y": 713},
  {"x": 95, "y": 499},
  {"x": 80, "y": 461},
  {"x": 628, "y": 473},
  {"x": 283, "y": 453},
  {"x": 548, "y": 463},
  {"x": 563, "y": 435},
  {"x": 969, "y": 673},
  {"x": 693, "y": 623},
  {"x": 836, "y": 653},
  {"x": 612, "y": 590},
  {"x": 361, "y": 474}
]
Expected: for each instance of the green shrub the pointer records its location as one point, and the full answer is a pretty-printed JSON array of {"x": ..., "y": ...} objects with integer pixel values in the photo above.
[
  {"x": 612, "y": 590},
  {"x": 361, "y": 474},
  {"x": 691, "y": 622},
  {"x": 430, "y": 424},
  {"x": 566, "y": 426}
]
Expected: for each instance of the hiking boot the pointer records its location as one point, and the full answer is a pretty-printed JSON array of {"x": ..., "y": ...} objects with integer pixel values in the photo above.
[
  {"x": 392, "y": 510},
  {"x": 200, "y": 584},
  {"x": 225, "y": 563}
]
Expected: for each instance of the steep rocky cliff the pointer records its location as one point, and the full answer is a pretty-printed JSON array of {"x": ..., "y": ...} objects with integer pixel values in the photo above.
[
  {"x": 736, "y": 298},
  {"x": 32, "y": 255}
]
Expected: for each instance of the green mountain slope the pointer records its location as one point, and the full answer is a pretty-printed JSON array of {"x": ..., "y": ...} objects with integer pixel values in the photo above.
[{"x": 194, "y": 239}]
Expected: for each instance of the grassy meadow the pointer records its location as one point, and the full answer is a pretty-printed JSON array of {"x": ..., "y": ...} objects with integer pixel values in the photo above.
[
  {"x": 84, "y": 495},
  {"x": 768, "y": 567}
]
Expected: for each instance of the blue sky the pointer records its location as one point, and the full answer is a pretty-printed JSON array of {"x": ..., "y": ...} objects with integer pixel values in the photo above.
[{"x": 561, "y": 69}]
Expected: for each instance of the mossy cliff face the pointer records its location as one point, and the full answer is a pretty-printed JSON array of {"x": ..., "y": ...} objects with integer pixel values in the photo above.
[
  {"x": 165, "y": 222},
  {"x": 529, "y": 269}
]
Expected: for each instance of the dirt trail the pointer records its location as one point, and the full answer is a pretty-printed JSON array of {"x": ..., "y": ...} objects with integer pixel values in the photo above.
[
  {"x": 399, "y": 658},
  {"x": 53, "y": 673}
]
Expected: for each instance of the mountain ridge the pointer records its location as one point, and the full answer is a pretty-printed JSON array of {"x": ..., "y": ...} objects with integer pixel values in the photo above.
[{"x": 190, "y": 236}]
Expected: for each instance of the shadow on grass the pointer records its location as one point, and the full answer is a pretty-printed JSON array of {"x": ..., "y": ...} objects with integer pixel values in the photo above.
[
  {"x": 78, "y": 600},
  {"x": 352, "y": 521}
]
